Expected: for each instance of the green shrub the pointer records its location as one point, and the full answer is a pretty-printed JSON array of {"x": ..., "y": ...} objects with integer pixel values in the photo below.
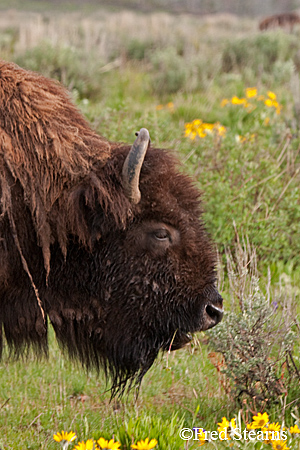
[
  {"x": 256, "y": 336},
  {"x": 260, "y": 52},
  {"x": 139, "y": 50},
  {"x": 72, "y": 68},
  {"x": 169, "y": 72},
  {"x": 8, "y": 38}
]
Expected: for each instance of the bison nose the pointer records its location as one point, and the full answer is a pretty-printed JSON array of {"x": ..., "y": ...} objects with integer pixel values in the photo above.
[
  {"x": 213, "y": 315},
  {"x": 212, "y": 308}
]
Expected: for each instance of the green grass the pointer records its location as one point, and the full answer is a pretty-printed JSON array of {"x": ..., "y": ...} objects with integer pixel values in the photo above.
[
  {"x": 39, "y": 398},
  {"x": 254, "y": 184}
]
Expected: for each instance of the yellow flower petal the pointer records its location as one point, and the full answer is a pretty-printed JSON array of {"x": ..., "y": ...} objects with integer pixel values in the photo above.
[
  {"x": 64, "y": 436},
  {"x": 201, "y": 437},
  {"x": 197, "y": 122},
  {"x": 145, "y": 445},
  {"x": 251, "y": 92},
  {"x": 271, "y": 95},
  {"x": 279, "y": 445},
  {"x": 224, "y": 423},
  {"x": 88, "y": 445},
  {"x": 208, "y": 126},
  {"x": 260, "y": 420},
  {"x": 233, "y": 424},
  {"x": 238, "y": 101},
  {"x": 295, "y": 429},
  {"x": 201, "y": 133},
  {"x": 269, "y": 102}
]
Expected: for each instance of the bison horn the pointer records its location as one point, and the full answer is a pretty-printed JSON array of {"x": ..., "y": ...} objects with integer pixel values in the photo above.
[{"x": 133, "y": 164}]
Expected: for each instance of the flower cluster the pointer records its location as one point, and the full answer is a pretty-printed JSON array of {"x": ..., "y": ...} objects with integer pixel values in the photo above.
[
  {"x": 269, "y": 100},
  {"x": 65, "y": 439},
  {"x": 271, "y": 431},
  {"x": 257, "y": 108},
  {"x": 198, "y": 128},
  {"x": 260, "y": 428}
]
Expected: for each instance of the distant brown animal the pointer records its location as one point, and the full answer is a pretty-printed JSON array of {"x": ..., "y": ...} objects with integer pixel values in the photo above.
[
  {"x": 104, "y": 239},
  {"x": 283, "y": 20}
]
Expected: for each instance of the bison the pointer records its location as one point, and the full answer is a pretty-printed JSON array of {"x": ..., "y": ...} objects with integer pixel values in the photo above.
[
  {"x": 103, "y": 239},
  {"x": 283, "y": 20}
]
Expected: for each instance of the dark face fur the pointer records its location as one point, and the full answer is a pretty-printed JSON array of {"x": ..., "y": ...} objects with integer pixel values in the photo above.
[{"x": 152, "y": 283}]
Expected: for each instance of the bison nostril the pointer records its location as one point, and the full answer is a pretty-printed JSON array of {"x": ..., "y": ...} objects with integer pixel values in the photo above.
[{"x": 214, "y": 313}]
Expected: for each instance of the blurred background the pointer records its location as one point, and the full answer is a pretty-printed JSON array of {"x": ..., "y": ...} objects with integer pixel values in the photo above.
[{"x": 218, "y": 82}]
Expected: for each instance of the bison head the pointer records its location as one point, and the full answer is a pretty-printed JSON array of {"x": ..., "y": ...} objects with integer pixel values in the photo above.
[{"x": 149, "y": 281}]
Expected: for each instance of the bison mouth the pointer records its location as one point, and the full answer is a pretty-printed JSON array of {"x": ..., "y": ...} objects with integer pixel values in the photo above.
[
  {"x": 211, "y": 316},
  {"x": 179, "y": 340}
]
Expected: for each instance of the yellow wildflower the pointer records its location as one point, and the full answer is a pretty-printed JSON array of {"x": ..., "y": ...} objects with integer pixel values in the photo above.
[
  {"x": 238, "y": 101},
  {"x": 201, "y": 437},
  {"x": 190, "y": 130},
  {"x": 259, "y": 421},
  {"x": 197, "y": 122},
  {"x": 261, "y": 98},
  {"x": 269, "y": 102},
  {"x": 223, "y": 428},
  {"x": 273, "y": 429},
  {"x": 159, "y": 107},
  {"x": 220, "y": 129},
  {"x": 145, "y": 445},
  {"x": 271, "y": 95},
  {"x": 201, "y": 133},
  {"x": 208, "y": 126},
  {"x": 170, "y": 105},
  {"x": 64, "y": 436},
  {"x": 112, "y": 445},
  {"x": 279, "y": 445},
  {"x": 233, "y": 424},
  {"x": 188, "y": 127},
  {"x": 201, "y": 129},
  {"x": 224, "y": 102},
  {"x": 295, "y": 429},
  {"x": 266, "y": 121},
  {"x": 273, "y": 103},
  {"x": 251, "y": 92},
  {"x": 88, "y": 445}
]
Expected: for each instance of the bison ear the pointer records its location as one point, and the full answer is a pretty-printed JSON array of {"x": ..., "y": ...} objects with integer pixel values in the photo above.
[{"x": 133, "y": 164}]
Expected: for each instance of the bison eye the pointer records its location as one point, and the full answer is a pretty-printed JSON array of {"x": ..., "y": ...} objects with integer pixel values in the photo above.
[{"x": 162, "y": 234}]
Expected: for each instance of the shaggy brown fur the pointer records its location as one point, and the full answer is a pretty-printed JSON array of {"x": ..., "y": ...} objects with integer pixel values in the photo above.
[
  {"x": 283, "y": 20},
  {"x": 118, "y": 281}
]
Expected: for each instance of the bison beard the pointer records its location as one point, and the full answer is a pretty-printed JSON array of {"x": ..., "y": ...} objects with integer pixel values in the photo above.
[{"x": 105, "y": 240}]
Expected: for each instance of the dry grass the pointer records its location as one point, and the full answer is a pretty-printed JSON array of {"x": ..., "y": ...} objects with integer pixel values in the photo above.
[{"x": 104, "y": 31}]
